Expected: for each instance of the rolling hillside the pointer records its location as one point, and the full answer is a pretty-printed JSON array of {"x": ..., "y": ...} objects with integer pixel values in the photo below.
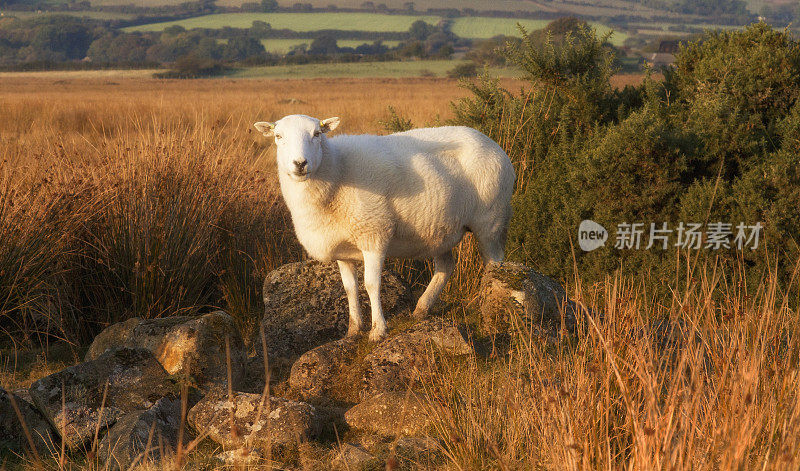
[{"x": 298, "y": 21}]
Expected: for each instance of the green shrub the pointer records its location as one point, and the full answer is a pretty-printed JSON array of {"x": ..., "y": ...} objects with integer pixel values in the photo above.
[
  {"x": 190, "y": 66},
  {"x": 716, "y": 141},
  {"x": 394, "y": 122},
  {"x": 733, "y": 88},
  {"x": 465, "y": 70}
]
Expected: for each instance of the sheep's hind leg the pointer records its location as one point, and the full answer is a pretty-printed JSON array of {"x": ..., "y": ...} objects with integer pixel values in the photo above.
[
  {"x": 373, "y": 266},
  {"x": 348, "y": 272},
  {"x": 443, "y": 268},
  {"x": 491, "y": 238}
]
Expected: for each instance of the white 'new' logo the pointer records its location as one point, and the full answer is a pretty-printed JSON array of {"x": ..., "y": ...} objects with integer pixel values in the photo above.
[{"x": 591, "y": 235}]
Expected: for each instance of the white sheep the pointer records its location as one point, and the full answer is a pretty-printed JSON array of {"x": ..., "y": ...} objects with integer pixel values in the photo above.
[{"x": 412, "y": 194}]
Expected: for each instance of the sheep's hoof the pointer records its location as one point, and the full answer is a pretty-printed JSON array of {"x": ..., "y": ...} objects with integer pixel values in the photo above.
[
  {"x": 420, "y": 313},
  {"x": 352, "y": 331},
  {"x": 376, "y": 334}
]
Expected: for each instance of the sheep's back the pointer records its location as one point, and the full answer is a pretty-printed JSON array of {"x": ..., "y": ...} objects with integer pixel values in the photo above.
[{"x": 433, "y": 181}]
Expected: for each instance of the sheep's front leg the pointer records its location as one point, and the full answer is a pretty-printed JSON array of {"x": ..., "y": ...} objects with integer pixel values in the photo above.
[
  {"x": 373, "y": 266},
  {"x": 348, "y": 272}
]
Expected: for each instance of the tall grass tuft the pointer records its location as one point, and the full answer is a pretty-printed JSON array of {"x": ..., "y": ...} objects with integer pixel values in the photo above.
[
  {"x": 31, "y": 262},
  {"x": 167, "y": 216}
]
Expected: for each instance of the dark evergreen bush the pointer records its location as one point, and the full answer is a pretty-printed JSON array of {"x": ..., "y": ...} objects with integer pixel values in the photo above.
[{"x": 715, "y": 141}]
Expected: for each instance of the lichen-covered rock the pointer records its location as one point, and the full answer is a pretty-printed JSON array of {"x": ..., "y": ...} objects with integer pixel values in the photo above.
[
  {"x": 353, "y": 457},
  {"x": 142, "y": 436},
  {"x": 401, "y": 361},
  {"x": 390, "y": 414},
  {"x": 132, "y": 380},
  {"x": 305, "y": 305},
  {"x": 12, "y": 434},
  {"x": 512, "y": 291},
  {"x": 281, "y": 423},
  {"x": 319, "y": 372},
  {"x": 185, "y": 346}
]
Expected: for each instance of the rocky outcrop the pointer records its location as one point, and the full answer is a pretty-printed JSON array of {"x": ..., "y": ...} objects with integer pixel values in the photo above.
[
  {"x": 97, "y": 393},
  {"x": 142, "y": 436},
  {"x": 305, "y": 306},
  {"x": 321, "y": 371},
  {"x": 401, "y": 361},
  {"x": 126, "y": 393},
  {"x": 511, "y": 293},
  {"x": 341, "y": 370},
  {"x": 391, "y": 414},
  {"x": 185, "y": 346},
  {"x": 279, "y": 423},
  {"x": 12, "y": 432}
]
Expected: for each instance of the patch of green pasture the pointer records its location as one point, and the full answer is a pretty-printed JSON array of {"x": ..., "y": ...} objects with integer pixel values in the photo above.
[
  {"x": 358, "y": 42},
  {"x": 297, "y": 21},
  {"x": 484, "y": 27},
  {"x": 399, "y": 69},
  {"x": 282, "y": 46}
]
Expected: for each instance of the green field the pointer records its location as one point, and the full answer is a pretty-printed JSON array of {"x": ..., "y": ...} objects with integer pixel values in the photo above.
[
  {"x": 298, "y": 21},
  {"x": 484, "y": 27},
  {"x": 465, "y": 27},
  {"x": 282, "y": 46},
  {"x": 361, "y": 70}
]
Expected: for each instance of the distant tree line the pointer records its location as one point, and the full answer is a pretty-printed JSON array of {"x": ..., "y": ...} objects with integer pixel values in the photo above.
[
  {"x": 714, "y": 8},
  {"x": 54, "y": 39}
]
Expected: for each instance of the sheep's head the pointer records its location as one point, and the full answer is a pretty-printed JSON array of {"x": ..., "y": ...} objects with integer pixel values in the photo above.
[{"x": 299, "y": 141}]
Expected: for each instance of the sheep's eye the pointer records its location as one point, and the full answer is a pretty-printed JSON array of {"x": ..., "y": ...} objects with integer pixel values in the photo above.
[
  {"x": 278, "y": 136},
  {"x": 316, "y": 133}
]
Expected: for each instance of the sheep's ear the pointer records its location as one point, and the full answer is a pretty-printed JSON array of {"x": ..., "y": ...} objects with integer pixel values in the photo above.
[
  {"x": 328, "y": 124},
  {"x": 265, "y": 128}
]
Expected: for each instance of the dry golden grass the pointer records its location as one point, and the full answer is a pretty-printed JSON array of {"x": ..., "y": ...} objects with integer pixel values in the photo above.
[
  {"x": 705, "y": 379},
  {"x": 155, "y": 196}
]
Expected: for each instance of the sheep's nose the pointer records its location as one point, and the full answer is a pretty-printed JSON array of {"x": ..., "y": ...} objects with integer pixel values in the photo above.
[{"x": 300, "y": 164}]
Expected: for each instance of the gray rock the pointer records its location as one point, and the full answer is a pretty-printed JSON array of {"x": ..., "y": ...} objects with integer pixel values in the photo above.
[
  {"x": 320, "y": 372},
  {"x": 281, "y": 423},
  {"x": 12, "y": 432},
  {"x": 512, "y": 291},
  {"x": 305, "y": 305},
  {"x": 352, "y": 458},
  {"x": 142, "y": 436},
  {"x": 390, "y": 414},
  {"x": 185, "y": 346},
  {"x": 24, "y": 394},
  {"x": 132, "y": 378},
  {"x": 240, "y": 458},
  {"x": 401, "y": 361}
]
